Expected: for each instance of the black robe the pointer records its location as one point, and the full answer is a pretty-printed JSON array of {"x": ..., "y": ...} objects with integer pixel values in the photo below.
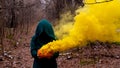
[{"x": 44, "y": 34}]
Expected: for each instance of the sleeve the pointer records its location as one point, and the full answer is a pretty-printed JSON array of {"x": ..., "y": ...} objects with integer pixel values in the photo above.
[
  {"x": 33, "y": 48},
  {"x": 33, "y": 44},
  {"x": 55, "y": 55}
]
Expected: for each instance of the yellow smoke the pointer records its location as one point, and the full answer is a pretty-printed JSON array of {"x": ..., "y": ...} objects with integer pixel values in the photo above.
[
  {"x": 65, "y": 24},
  {"x": 93, "y": 22}
]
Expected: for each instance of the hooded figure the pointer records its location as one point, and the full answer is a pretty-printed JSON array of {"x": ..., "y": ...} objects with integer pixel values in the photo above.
[{"x": 44, "y": 34}]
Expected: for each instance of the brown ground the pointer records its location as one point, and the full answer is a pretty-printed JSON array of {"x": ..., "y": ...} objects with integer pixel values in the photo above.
[{"x": 92, "y": 56}]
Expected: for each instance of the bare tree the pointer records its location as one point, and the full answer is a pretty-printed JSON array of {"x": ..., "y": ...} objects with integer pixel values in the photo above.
[
  {"x": 14, "y": 17},
  {"x": 1, "y": 26},
  {"x": 55, "y": 7}
]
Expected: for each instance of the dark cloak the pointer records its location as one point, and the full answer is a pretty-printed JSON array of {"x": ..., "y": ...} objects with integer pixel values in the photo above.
[{"x": 44, "y": 34}]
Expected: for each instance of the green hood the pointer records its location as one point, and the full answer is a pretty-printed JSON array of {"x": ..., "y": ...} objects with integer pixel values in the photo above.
[{"x": 46, "y": 27}]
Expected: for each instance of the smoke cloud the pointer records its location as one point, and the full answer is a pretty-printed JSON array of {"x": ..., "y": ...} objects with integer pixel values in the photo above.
[{"x": 93, "y": 22}]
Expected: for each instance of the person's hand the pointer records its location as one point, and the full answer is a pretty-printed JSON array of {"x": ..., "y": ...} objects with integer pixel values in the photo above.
[{"x": 44, "y": 53}]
